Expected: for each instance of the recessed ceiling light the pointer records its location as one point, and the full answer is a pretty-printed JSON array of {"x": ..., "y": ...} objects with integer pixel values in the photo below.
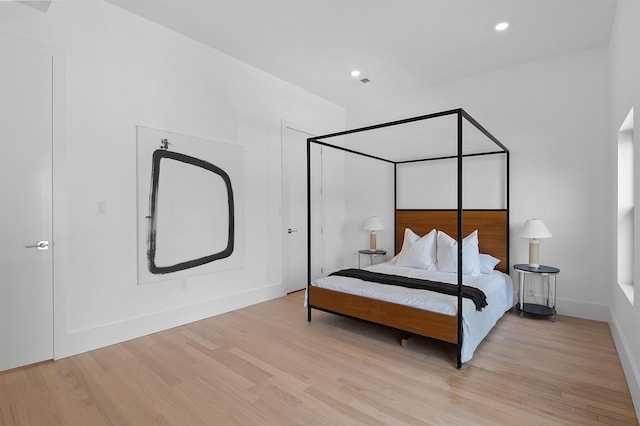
[
  {"x": 502, "y": 26},
  {"x": 355, "y": 73}
]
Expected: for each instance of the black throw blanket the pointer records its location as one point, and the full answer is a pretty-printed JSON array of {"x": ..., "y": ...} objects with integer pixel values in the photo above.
[{"x": 476, "y": 295}]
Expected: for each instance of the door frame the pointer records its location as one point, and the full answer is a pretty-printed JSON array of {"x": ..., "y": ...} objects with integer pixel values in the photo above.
[
  {"x": 302, "y": 129},
  {"x": 59, "y": 208}
]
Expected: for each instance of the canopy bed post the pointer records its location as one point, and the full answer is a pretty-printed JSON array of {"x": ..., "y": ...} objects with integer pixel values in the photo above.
[
  {"x": 395, "y": 199},
  {"x": 308, "y": 226},
  {"x": 507, "y": 205},
  {"x": 460, "y": 336}
]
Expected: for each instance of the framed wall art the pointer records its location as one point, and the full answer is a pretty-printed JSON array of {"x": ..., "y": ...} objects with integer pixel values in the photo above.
[{"x": 190, "y": 205}]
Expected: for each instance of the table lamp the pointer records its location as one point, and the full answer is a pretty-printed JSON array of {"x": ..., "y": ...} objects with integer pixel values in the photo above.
[
  {"x": 535, "y": 230},
  {"x": 373, "y": 224}
]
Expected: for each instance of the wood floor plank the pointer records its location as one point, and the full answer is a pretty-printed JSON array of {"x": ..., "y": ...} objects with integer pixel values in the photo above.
[{"x": 265, "y": 364}]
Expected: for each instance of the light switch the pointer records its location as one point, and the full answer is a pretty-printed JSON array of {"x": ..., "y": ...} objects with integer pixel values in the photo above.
[{"x": 102, "y": 207}]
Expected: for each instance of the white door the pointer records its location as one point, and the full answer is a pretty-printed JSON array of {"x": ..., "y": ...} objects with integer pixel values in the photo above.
[
  {"x": 294, "y": 209},
  {"x": 26, "y": 281}
]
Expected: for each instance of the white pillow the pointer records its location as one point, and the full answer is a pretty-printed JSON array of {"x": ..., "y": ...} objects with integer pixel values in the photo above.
[
  {"x": 487, "y": 263},
  {"x": 418, "y": 252},
  {"x": 447, "y": 254}
]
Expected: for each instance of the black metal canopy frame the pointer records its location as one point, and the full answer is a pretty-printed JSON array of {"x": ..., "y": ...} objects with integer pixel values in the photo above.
[{"x": 461, "y": 115}]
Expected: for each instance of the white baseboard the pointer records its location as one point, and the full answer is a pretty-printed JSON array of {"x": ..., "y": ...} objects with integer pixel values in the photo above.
[
  {"x": 580, "y": 309},
  {"x": 75, "y": 342},
  {"x": 631, "y": 371}
]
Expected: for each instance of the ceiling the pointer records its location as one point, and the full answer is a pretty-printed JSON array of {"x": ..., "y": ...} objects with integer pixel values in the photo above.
[{"x": 400, "y": 45}]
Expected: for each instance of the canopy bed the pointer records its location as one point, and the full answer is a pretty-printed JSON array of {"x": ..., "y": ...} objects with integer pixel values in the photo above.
[{"x": 460, "y": 301}]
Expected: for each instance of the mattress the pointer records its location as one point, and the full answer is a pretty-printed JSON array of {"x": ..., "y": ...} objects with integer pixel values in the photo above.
[{"x": 497, "y": 286}]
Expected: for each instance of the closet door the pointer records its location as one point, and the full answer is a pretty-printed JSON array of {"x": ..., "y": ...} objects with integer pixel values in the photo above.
[
  {"x": 294, "y": 209},
  {"x": 26, "y": 247}
]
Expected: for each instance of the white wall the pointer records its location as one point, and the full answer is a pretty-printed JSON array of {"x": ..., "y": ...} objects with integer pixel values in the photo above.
[
  {"x": 553, "y": 116},
  {"x": 369, "y": 192},
  {"x": 625, "y": 94},
  {"x": 332, "y": 209},
  {"x": 123, "y": 71}
]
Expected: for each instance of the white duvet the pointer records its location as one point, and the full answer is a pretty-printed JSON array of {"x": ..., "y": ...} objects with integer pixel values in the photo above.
[{"x": 475, "y": 324}]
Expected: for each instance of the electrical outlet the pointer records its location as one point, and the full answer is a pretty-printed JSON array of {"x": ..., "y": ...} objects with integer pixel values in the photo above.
[{"x": 530, "y": 292}]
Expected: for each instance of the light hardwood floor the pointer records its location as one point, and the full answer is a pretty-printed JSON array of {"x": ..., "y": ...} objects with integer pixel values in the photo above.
[{"x": 265, "y": 365}]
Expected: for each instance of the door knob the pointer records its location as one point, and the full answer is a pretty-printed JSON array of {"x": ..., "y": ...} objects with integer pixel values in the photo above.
[
  {"x": 41, "y": 245},
  {"x": 290, "y": 231}
]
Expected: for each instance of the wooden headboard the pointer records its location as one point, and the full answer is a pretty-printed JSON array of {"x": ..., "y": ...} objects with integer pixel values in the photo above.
[{"x": 492, "y": 228}]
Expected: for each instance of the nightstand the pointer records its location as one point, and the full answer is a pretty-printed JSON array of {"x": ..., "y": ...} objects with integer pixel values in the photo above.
[
  {"x": 549, "y": 273},
  {"x": 373, "y": 254}
]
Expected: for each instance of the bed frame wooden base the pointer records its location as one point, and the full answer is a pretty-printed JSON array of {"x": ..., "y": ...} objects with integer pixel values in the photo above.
[
  {"x": 412, "y": 320},
  {"x": 493, "y": 231}
]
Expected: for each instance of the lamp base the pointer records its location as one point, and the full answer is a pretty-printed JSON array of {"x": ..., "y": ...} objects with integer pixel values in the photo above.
[
  {"x": 372, "y": 241},
  {"x": 534, "y": 253}
]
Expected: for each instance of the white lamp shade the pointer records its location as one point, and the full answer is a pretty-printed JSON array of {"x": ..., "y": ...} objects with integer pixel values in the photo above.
[
  {"x": 373, "y": 224},
  {"x": 535, "y": 229}
]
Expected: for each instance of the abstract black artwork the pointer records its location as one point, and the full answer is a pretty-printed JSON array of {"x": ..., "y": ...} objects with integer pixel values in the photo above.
[
  {"x": 159, "y": 155},
  {"x": 189, "y": 205}
]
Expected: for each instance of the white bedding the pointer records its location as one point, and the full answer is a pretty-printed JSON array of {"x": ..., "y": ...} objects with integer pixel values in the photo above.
[{"x": 475, "y": 324}]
